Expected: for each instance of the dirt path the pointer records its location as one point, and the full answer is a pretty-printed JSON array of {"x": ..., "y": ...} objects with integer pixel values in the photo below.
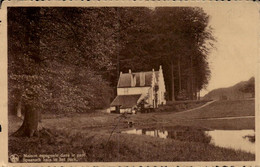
[
  {"x": 208, "y": 103},
  {"x": 227, "y": 118},
  {"x": 214, "y": 118}
]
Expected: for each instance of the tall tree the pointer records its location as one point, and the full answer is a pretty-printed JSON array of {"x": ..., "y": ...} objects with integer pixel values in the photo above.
[
  {"x": 56, "y": 61},
  {"x": 177, "y": 38},
  {"x": 185, "y": 32},
  {"x": 24, "y": 68}
]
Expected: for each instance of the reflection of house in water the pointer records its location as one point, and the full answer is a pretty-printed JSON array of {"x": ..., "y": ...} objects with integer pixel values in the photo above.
[
  {"x": 156, "y": 133},
  {"x": 177, "y": 134},
  {"x": 149, "y": 132},
  {"x": 173, "y": 134},
  {"x": 134, "y": 131}
]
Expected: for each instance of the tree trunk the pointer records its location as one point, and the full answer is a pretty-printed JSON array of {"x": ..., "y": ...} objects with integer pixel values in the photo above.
[
  {"x": 118, "y": 65},
  {"x": 29, "y": 127},
  {"x": 179, "y": 72},
  {"x": 172, "y": 78},
  {"x": 191, "y": 80},
  {"x": 195, "y": 90}
]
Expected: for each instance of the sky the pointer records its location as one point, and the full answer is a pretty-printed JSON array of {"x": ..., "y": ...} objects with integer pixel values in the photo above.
[{"x": 235, "y": 56}]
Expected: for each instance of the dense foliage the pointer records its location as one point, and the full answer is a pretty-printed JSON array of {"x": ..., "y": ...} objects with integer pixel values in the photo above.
[
  {"x": 68, "y": 59},
  {"x": 180, "y": 39},
  {"x": 55, "y": 59},
  {"x": 249, "y": 87}
]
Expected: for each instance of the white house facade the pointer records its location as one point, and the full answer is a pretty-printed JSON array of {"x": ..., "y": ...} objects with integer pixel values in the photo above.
[{"x": 132, "y": 88}]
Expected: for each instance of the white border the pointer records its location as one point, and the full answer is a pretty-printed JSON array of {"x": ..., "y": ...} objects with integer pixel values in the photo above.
[{"x": 111, "y": 3}]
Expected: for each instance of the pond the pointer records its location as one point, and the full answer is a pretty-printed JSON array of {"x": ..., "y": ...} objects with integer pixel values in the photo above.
[{"x": 236, "y": 139}]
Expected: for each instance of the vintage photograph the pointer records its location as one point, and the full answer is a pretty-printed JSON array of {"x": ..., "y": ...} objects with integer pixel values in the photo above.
[{"x": 131, "y": 84}]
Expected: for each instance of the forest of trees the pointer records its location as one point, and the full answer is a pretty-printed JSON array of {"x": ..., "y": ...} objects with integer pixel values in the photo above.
[{"x": 69, "y": 59}]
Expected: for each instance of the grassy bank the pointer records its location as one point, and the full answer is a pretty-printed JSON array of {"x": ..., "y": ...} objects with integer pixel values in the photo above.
[
  {"x": 124, "y": 147},
  {"x": 225, "y": 108},
  {"x": 195, "y": 118},
  {"x": 89, "y": 134}
]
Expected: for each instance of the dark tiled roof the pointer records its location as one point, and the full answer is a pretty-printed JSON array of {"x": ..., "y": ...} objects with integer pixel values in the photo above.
[
  {"x": 125, "y": 79},
  {"x": 125, "y": 101}
]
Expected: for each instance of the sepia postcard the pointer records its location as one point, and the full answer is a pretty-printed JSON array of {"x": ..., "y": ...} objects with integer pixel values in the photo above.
[{"x": 129, "y": 83}]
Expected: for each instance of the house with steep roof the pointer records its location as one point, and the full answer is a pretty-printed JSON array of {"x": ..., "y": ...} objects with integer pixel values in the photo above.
[{"x": 134, "y": 88}]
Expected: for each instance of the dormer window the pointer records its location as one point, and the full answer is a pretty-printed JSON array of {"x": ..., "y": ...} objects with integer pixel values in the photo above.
[
  {"x": 133, "y": 80},
  {"x": 142, "y": 78}
]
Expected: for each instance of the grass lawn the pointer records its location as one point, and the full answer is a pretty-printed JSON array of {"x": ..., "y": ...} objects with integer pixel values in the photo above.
[
  {"x": 89, "y": 134},
  {"x": 227, "y": 108},
  {"x": 193, "y": 118},
  {"x": 124, "y": 147}
]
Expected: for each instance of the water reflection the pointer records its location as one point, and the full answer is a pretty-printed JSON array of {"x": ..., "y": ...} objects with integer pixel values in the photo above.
[
  {"x": 177, "y": 134},
  {"x": 235, "y": 139}
]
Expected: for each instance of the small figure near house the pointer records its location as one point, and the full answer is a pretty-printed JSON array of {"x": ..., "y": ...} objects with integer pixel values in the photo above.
[{"x": 133, "y": 89}]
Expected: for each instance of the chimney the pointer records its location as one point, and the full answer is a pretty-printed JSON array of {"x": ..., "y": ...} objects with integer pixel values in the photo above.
[
  {"x": 142, "y": 79},
  {"x": 160, "y": 67},
  {"x": 130, "y": 71}
]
